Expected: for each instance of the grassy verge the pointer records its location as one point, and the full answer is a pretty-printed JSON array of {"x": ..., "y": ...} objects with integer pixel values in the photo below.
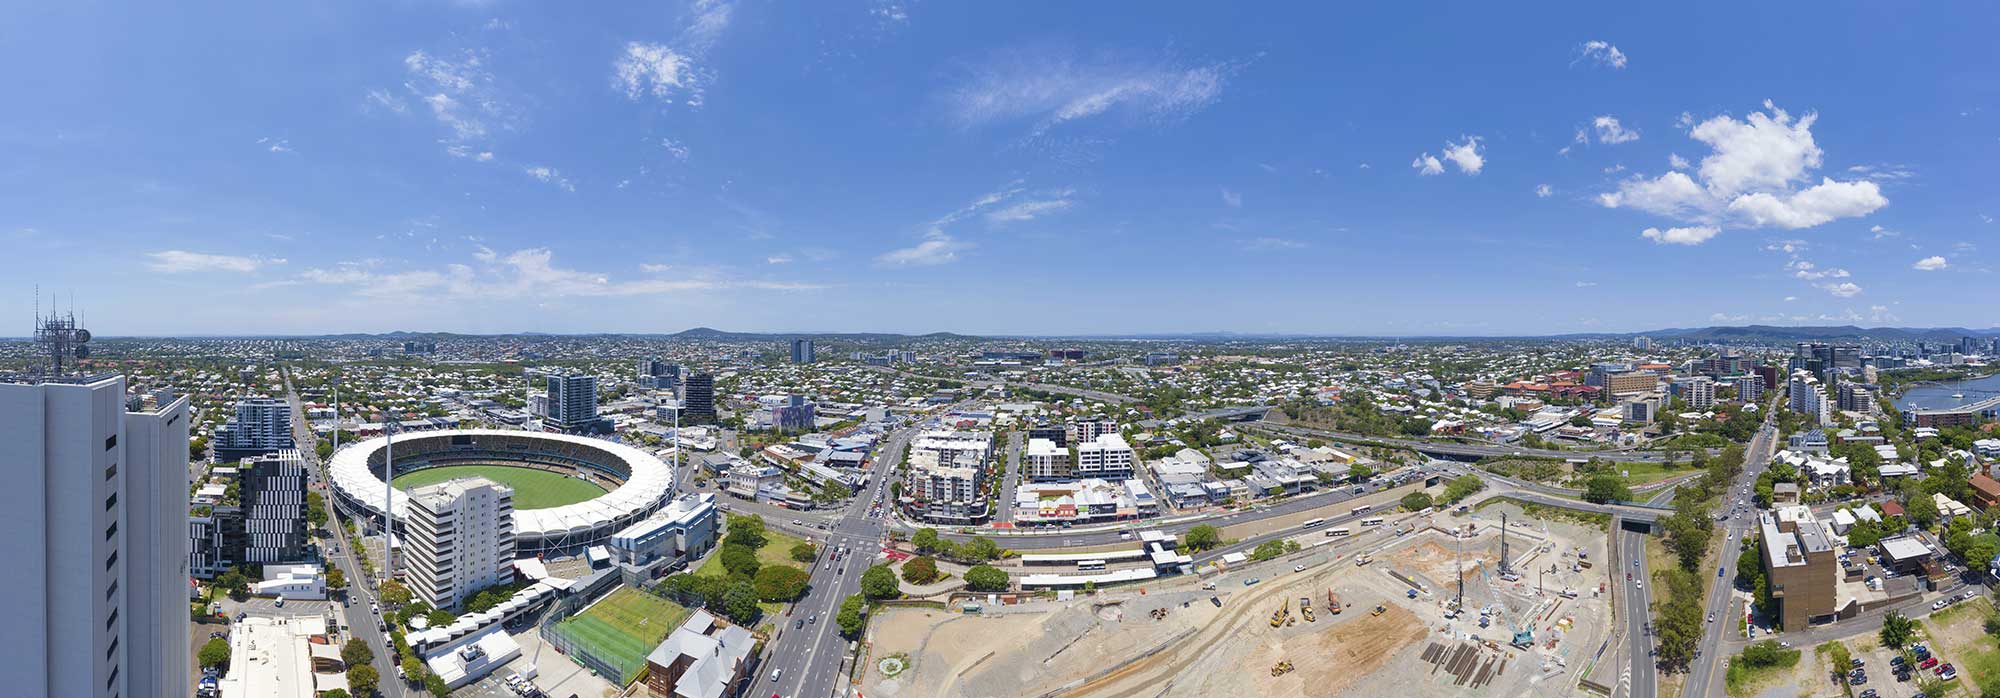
[
  {"x": 1745, "y": 675},
  {"x": 777, "y": 550},
  {"x": 1644, "y": 473},
  {"x": 1599, "y": 521}
]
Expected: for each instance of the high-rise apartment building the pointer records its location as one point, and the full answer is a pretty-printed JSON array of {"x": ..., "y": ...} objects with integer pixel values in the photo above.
[
  {"x": 1085, "y": 430},
  {"x": 1806, "y": 396},
  {"x": 1697, "y": 391},
  {"x": 1107, "y": 457},
  {"x": 274, "y": 508},
  {"x": 947, "y": 475},
  {"x": 261, "y": 425},
  {"x": 795, "y": 415},
  {"x": 698, "y": 397},
  {"x": 572, "y": 402},
  {"x": 1046, "y": 460},
  {"x": 802, "y": 351},
  {"x": 458, "y": 539},
  {"x": 1750, "y": 388},
  {"x": 658, "y": 375},
  {"x": 96, "y": 552}
]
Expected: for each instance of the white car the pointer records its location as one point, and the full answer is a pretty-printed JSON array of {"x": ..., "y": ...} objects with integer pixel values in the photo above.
[{"x": 1298, "y": 568}]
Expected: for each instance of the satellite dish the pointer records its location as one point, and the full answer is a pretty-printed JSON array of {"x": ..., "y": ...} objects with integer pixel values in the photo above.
[
  {"x": 83, "y": 352},
  {"x": 82, "y": 335}
]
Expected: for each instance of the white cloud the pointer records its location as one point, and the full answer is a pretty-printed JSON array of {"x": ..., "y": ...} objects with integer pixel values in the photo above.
[
  {"x": 523, "y": 274},
  {"x": 778, "y": 259},
  {"x": 1028, "y": 210},
  {"x": 1790, "y": 247},
  {"x": 459, "y": 93},
  {"x": 1789, "y": 299},
  {"x": 656, "y": 70},
  {"x": 549, "y": 175},
  {"x": 675, "y": 148},
  {"x": 181, "y": 261},
  {"x": 1602, "y": 53},
  {"x": 1273, "y": 243},
  {"x": 1844, "y": 289},
  {"x": 1544, "y": 191},
  {"x": 1881, "y": 232},
  {"x": 1751, "y": 178},
  {"x": 1725, "y": 317},
  {"x": 1932, "y": 263},
  {"x": 1426, "y": 165},
  {"x": 1233, "y": 199},
  {"x": 275, "y": 145},
  {"x": 936, "y": 248},
  {"x": 1585, "y": 284},
  {"x": 1051, "y": 89},
  {"x": 655, "y": 268},
  {"x": 1609, "y": 131},
  {"x": 1465, "y": 155},
  {"x": 1674, "y": 160},
  {"x": 1680, "y": 236},
  {"x": 1806, "y": 270},
  {"x": 387, "y": 100}
]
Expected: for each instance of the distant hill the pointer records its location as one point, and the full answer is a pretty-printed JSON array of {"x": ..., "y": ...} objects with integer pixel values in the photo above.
[{"x": 1813, "y": 333}]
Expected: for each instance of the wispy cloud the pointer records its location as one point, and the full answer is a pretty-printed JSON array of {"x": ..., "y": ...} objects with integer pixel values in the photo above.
[
  {"x": 1585, "y": 284},
  {"x": 1048, "y": 89},
  {"x": 182, "y": 262},
  {"x": 1544, "y": 191},
  {"x": 1028, "y": 210},
  {"x": 1601, "y": 53},
  {"x": 1692, "y": 235},
  {"x": 1426, "y": 165},
  {"x": 1232, "y": 199},
  {"x": 275, "y": 145},
  {"x": 673, "y": 71},
  {"x": 523, "y": 274},
  {"x": 1263, "y": 244},
  {"x": 936, "y": 248},
  {"x": 459, "y": 92},
  {"x": 549, "y": 175},
  {"x": 1610, "y": 132},
  {"x": 1931, "y": 263}
]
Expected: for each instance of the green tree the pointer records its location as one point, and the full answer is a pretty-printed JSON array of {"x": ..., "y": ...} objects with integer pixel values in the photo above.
[
  {"x": 925, "y": 540},
  {"x": 413, "y": 668},
  {"x": 805, "y": 552},
  {"x": 335, "y": 693},
  {"x": 1921, "y": 510},
  {"x": 980, "y": 548},
  {"x": 1416, "y": 501},
  {"x": 316, "y": 509},
  {"x": 1897, "y": 630},
  {"x": 356, "y": 652},
  {"x": 1360, "y": 473},
  {"x": 436, "y": 685},
  {"x": 745, "y": 530},
  {"x": 880, "y": 583},
  {"x": 1606, "y": 487},
  {"x": 920, "y": 570},
  {"x": 984, "y": 578},
  {"x": 395, "y": 593},
  {"x": 1688, "y": 533},
  {"x": 740, "y": 603},
  {"x": 1268, "y": 550},
  {"x": 215, "y": 652},
  {"x": 1203, "y": 537},
  {"x": 740, "y": 560},
  {"x": 335, "y": 579},
  {"x": 363, "y": 679},
  {"x": 1461, "y": 487},
  {"x": 781, "y": 583},
  {"x": 849, "y": 617},
  {"x": 440, "y": 618}
]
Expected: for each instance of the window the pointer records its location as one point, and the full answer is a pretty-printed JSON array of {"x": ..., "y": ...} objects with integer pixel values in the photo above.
[
  {"x": 112, "y": 650},
  {"x": 108, "y": 593},
  {"x": 110, "y": 471},
  {"x": 111, "y": 501},
  {"x": 111, "y": 621},
  {"x": 112, "y": 531},
  {"x": 109, "y": 561},
  {"x": 110, "y": 442}
]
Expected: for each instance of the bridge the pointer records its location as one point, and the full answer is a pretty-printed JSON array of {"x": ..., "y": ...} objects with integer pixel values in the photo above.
[{"x": 1938, "y": 384}]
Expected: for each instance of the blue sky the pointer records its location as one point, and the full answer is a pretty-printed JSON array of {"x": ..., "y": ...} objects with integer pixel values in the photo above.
[{"x": 1035, "y": 168}]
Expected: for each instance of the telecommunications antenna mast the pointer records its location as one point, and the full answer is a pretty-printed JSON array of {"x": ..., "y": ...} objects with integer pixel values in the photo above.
[{"x": 59, "y": 337}]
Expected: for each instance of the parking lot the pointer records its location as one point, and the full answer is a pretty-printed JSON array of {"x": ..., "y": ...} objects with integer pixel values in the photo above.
[{"x": 269, "y": 608}]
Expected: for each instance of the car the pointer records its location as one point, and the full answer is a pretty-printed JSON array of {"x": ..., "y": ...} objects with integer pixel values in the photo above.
[
  {"x": 813, "y": 619},
  {"x": 1711, "y": 619},
  {"x": 1928, "y": 663},
  {"x": 1215, "y": 600},
  {"x": 1949, "y": 673},
  {"x": 1857, "y": 680},
  {"x": 1250, "y": 581},
  {"x": 775, "y": 673},
  {"x": 1635, "y": 564},
  {"x": 1298, "y": 568},
  {"x": 1942, "y": 668},
  {"x": 215, "y": 636},
  {"x": 1898, "y": 660},
  {"x": 797, "y": 624},
  {"x": 1856, "y": 663},
  {"x": 1639, "y": 585}
]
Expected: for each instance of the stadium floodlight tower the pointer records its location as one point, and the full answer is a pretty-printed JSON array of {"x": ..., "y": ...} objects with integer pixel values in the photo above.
[{"x": 388, "y": 500}]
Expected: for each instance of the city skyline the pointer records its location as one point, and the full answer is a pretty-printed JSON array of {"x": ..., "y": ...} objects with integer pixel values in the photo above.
[{"x": 491, "y": 168}]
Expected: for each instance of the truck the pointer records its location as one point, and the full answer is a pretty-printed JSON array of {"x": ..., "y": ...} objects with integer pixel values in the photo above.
[
  {"x": 1362, "y": 559},
  {"x": 1306, "y": 608},
  {"x": 1332, "y": 603}
]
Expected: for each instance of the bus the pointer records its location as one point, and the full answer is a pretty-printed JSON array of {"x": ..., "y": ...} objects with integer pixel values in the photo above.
[
  {"x": 1090, "y": 565},
  {"x": 1361, "y": 508},
  {"x": 1338, "y": 532},
  {"x": 1314, "y": 523},
  {"x": 1372, "y": 521}
]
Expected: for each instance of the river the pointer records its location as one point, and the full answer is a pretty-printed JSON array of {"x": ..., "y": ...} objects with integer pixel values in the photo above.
[{"x": 1933, "y": 397}]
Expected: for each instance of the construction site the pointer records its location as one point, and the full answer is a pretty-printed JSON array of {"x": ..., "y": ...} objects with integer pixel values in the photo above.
[{"x": 1435, "y": 605}]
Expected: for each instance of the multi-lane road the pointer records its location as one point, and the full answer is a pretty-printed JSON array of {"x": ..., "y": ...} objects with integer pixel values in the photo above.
[
  {"x": 1703, "y": 674},
  {"x": 340, "y": 551}
]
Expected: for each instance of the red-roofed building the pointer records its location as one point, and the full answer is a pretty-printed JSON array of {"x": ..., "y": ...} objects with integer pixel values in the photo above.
[
  {"x": 1985, "y": 491},
  {"x": 1892, "y": 508}
]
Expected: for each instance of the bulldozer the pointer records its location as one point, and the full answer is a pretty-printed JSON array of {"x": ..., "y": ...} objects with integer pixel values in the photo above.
[
  {"x": 1283, "y": 667},
  {"x": 1306, "y": 608}
]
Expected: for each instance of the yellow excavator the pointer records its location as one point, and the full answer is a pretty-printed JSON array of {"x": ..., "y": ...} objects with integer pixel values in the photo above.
[
  {"x": 1285, "y": 611},
  {"x": 1283, "y": 667}
]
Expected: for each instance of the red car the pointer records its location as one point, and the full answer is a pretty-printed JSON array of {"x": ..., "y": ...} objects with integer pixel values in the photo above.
[{"x": 1928, "y": 663}]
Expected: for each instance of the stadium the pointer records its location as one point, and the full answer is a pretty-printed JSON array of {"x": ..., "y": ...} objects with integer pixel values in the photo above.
[{"x": 560, "y": 473}]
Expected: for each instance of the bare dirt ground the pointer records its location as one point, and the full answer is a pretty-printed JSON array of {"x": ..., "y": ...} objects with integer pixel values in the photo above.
[{"x": 1433, "y": 559}]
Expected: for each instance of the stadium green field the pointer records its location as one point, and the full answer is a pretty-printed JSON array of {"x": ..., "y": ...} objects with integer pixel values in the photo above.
[
  {"x": 623, "y": 627},
  {"x": 533, "y": 489}
]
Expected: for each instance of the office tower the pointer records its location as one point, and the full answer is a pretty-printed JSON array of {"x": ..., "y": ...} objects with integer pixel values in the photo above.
[
  {"x": 802, "y": 351},
  {"x": 648, "y": 368},
  {"x": 698, "y": 397},
  {"x": 659, "y": 375},
  {"x": 96, "y": 553},
  {"x": 572, "y": 402},
  {"x": 459, "y": 539},
  {"x": 793, "y": 416},
  {"x": 261, "y": 425}
]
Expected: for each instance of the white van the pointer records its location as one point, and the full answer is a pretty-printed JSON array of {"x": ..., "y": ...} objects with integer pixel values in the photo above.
[{"x": 775, "y": 673}]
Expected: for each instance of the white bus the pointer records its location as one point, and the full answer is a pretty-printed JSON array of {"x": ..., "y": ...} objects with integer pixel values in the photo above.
[
  {"x": 1090, "y": 565},
  {"x": 1372, "y": 521},
  {"x": 1338, "y": 532},
  {"x": 1314, "y": 523},
  {"x": 1361, "y": 508}
]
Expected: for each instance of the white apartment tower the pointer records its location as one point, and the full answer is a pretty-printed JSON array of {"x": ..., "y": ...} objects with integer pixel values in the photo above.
[
  {"x": 1047, "y": 461},
  {"x": 458, "y": 538},
  {"x": 1106, "y": 457},
  {"x": 96, "y": 554}
]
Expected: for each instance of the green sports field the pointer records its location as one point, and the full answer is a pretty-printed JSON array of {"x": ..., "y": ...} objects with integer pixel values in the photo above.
[
  {"x": 533, "y": 489},
  {"x": 623, "y": 627}
]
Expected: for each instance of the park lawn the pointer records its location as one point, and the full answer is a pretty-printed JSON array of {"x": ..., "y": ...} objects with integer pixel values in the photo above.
[
  {"x": 777, "y": 550},
  {"x": 1643, "y": 473},
  {"x": 533, "y": 489}
]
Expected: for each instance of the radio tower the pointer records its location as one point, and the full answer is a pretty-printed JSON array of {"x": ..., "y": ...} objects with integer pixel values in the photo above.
[{"x": 59, "y": 337}]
